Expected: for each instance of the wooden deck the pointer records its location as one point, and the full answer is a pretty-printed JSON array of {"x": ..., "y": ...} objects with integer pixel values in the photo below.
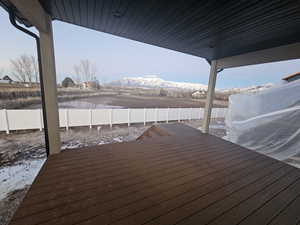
[{"x": 177, "y": 179}]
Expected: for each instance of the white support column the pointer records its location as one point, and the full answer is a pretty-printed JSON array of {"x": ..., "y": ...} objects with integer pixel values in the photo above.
[
  {"x": 50, "y": 88},
  {"x": 210, "y": 96}
]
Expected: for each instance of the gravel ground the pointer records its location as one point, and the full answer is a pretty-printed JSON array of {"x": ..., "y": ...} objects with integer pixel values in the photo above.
[{"x": 22, "y": 154}]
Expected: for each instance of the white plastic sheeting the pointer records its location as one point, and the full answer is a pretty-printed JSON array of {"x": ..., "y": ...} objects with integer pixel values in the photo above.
[{"x": 268, "y": 121}]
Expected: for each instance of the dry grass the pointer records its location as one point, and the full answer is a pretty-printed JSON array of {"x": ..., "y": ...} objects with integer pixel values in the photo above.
[{"x": 20, "y": 97}]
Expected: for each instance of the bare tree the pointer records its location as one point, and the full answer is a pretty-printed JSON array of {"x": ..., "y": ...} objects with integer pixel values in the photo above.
[
  {"x": 85, "y": 70},
  {"x": 25, "y": 68},
  {"x": 35, "y": 69},
  {"x": 77, "y": 77}
]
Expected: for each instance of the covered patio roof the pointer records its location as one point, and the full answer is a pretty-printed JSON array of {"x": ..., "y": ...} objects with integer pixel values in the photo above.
[
  {"x": 236, "y": 186},
  {"x": 208, "y": 29},
  {"x": 227, "y": 33}
]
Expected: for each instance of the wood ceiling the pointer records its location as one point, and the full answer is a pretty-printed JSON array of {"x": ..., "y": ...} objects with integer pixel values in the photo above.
[{"x": 211, "y": 29}]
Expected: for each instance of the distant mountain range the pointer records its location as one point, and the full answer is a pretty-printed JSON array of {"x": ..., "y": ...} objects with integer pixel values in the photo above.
[
  {"x": 251, "y": 89},
  {"x": 156, "y": 82}
]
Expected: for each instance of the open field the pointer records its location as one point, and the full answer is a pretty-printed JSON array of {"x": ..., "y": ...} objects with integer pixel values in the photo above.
[
  {"x": 120, "y": 97},
  {"x": 20, "y": 98},
  {"x": 134, "y": 101}
]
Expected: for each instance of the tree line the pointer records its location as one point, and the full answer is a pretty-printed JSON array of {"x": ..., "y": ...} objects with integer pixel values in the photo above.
[{"x": 25, "y": 69}]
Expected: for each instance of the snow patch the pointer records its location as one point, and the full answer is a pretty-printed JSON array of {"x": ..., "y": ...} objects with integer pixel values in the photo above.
[
  {"x": 18, "y": 176},
  {"x": 118, "y": 139}
]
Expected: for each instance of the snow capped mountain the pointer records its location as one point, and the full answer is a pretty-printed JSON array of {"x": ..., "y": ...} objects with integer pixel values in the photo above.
[{"x": 156, "y": 82}]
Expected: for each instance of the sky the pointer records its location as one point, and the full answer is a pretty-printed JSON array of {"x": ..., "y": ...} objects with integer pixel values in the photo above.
[{"x": 117, "y": 57}]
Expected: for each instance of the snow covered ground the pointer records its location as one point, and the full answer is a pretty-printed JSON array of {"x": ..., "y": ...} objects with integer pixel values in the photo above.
[{"x": 18, "y": 176}]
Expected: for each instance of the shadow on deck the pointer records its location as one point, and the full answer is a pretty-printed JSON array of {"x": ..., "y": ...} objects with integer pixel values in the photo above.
[{"x": 174, "y": 176}]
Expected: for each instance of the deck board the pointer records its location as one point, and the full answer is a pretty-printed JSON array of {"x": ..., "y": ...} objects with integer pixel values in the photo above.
[{"x": 176, "y": 179}]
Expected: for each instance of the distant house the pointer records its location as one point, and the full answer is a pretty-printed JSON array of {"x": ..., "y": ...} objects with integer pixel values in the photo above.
[
  {"x": 199, "y": 94},
  {"x": 292, "y": 77},
  {"x": 6, "y": 80},
  {"x": 68, "y": 82},
  {"x": 90, "y": 85}
]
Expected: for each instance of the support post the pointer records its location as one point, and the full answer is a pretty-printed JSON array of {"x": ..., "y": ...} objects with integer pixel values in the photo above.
[
  {"x": 48, "y": 82},
  {"x": 35, "y": 14},
  {"x": 210, "y": 96}
]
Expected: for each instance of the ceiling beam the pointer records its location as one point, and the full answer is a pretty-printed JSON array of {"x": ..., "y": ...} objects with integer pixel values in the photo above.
[
  {"x": 285, "y": 52},
  {"x": 33, "y": 12}
]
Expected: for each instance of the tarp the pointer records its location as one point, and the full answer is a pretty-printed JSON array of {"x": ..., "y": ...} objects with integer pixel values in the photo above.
[{"x": 267, "y": 121}]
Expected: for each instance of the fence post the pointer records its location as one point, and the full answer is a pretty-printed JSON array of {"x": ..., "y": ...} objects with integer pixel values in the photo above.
[
  {"x": 41, "y": 120},
  {"x": 213, "y": 114},
  {"x": 6, "y": 121},
  {"x": 144, "y": 116},
  {"x": 156, "y": 115},
  {"x": 67, "y": 119},
  {"x": 190, "y": 114},
  {"x": 179, "y": 114},
  {"x": 110, "y": 118},
  {"x": 91, "y": 118},
  {"x": 168, "y": 115},
  {"x": 200, "y": 113},
  {"x": 128, "y": 117}
]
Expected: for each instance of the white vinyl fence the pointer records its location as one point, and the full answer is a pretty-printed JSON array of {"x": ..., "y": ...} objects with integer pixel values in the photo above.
[{"x": 33, "y": 118}]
